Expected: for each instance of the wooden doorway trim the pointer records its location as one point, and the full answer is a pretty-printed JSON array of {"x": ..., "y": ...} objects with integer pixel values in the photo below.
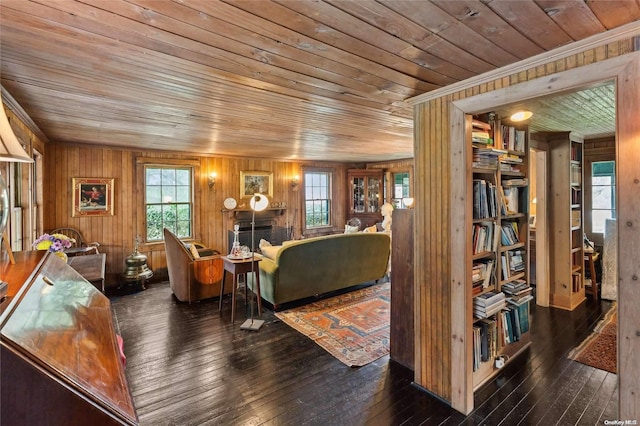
[{"x": 624, "y": 70}]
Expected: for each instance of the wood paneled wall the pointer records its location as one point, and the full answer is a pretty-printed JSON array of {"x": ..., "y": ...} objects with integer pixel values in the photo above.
[
  {"x": 442, "y": 341},
  {"x": 117, "y": 233}
]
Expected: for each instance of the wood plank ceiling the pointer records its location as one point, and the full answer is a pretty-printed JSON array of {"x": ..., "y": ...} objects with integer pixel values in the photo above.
[{"x": 281, "y": 79}]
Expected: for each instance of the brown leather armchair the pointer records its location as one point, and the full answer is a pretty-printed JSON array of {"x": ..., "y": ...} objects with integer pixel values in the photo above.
[{"x": 192, "y": 278}]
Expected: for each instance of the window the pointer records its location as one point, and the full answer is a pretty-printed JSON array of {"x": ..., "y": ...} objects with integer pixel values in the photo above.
[
  {"x": 603, "y": 194},
  {"x": 168, "y": 201},
  {"x": 400, "y": 189},
  {"x": 317, "y": 199}
]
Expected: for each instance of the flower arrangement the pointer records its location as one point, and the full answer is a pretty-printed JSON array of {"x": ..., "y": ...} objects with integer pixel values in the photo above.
[{"x": 53, "y": 242}]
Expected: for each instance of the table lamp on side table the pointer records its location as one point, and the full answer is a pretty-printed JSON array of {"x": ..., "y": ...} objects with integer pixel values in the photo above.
[{"x": 258, "y": 203}]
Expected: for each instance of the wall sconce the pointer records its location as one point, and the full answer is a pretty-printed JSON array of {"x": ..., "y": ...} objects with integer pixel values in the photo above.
[
  {"x": 295, "y": 181},
  {"x": 212, "y": 180}
]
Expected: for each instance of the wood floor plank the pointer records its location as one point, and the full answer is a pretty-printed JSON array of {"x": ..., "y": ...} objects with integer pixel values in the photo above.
[{"x": 188, "y": 365}]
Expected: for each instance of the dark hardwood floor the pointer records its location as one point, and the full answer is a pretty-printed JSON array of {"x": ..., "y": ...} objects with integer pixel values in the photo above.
[{"x": 187, "y": 365}]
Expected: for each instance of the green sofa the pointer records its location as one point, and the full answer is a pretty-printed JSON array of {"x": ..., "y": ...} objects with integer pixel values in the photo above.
[{"x": 314, "y": 266}]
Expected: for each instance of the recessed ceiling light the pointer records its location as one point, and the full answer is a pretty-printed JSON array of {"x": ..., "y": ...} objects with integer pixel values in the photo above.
[{"x": 521, "y": 116}]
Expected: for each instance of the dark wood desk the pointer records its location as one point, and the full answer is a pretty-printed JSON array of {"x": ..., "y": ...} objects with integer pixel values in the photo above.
[
  {"x": 91, "y": 267},
  {"x": 239, "y": 267},
  {"x": 60, "y": 359}
]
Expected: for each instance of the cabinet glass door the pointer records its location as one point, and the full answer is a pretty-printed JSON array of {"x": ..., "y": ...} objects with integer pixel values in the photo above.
[
  {"x": 358, "y": 194},
  {"x": 373, "y": 195}
]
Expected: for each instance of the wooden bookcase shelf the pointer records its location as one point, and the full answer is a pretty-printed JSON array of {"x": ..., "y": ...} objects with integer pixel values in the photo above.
[
  {"x": 498, "y": 208},
  {"x": 566, "y": 219}
]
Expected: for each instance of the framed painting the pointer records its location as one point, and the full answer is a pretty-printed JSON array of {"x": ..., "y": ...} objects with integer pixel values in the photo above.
[
  {"x": 92, "y": 197},
  {"x": 256, "y": 183}
]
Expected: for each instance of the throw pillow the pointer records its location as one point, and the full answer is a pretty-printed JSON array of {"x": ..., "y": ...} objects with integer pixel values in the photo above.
[
  {"x": 194, "y": 251},
  {"x": 348, "y": 229},
  {"x": 263, "y": 243},
  {"x": 371, "y": 228}
]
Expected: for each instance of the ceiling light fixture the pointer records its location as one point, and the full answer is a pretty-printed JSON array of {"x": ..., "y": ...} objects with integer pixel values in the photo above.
[{"x": 521, "y": 116}]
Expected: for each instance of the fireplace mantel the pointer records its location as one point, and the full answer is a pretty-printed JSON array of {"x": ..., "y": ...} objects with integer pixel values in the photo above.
[{"x": 246, "y": 214}]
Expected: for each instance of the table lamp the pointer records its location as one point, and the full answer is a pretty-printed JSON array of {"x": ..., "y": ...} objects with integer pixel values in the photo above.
[{"x": 257, "y": 203}]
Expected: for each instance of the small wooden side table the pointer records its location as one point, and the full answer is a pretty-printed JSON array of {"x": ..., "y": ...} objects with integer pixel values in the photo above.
[{"x": 239, "y": 267}]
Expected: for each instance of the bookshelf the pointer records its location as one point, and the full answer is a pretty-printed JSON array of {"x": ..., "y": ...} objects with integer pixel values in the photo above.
[
  {"x": 499, "y": 242},
  {"x": 566, "y": 213}
]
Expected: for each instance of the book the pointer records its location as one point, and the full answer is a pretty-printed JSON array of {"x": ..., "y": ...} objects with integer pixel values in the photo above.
[
  {"x": 511, "y": 199},
  {"x": 482, "y": 312},
  {"x": 489, "y": 298}
]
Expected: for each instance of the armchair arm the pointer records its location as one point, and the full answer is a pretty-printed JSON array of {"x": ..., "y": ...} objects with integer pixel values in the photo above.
[{"x": 208, "y": 270}]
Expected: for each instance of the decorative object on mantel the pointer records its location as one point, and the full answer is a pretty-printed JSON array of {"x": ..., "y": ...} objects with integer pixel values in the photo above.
[
  {"x": 230, "y": 203},
  {"x": 92, "y": 197},
  {"x": 252, "y": 183},
  {"x": 55, "y": 243},
  {"x": 258, "y": 203}
]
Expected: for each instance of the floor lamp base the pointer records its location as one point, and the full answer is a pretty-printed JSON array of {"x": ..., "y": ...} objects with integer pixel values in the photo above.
[{"x": 252, "y": 324}]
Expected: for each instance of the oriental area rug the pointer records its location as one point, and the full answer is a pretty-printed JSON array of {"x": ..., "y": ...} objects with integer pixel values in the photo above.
[
  {"x": 353, "y": 327},
  {"x": 599, "y": 350}
]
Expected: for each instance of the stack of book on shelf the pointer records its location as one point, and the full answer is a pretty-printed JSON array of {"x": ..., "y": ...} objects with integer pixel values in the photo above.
[
  {"x": 515, "y": 322},
  {"x": 510, "y": 163},
  {"x": 485, "y": 341},
  {"x": 480, "y": 133},
  {"x": 509, "y": 232},
  {"x": 481, "y": 273},
  {"x": 484, "y": 199},
  {"x": 488, "y": 304},
  {"x": 484, "y": 237},
  {"x": 486, "y": 157},
  {"x": 512, "y": 138},
  {"x": 517, "y": 292},
  {"x": 515, "y": 182},
  {"x": 512, "y": 263},
  {"x": 576, "y": 174}
]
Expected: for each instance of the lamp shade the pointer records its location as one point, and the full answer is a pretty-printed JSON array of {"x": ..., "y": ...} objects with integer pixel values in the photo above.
[
  {"x": 10, "y": 148},
  {"x": 258, "y": 202}
]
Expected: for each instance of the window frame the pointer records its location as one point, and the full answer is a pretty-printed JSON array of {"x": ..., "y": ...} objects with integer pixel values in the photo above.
[
  {"x": 613, "y": 209},
  {"x": 331, "y": 175},
  {"x": 141, "y": 218}
]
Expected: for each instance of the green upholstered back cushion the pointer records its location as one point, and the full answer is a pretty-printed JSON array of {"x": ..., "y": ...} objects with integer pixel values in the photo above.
[{"x": 318, "y": 265}]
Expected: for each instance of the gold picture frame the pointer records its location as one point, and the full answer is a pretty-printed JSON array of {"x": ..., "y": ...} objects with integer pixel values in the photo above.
[
  {"x": 92, "y": 197},
  {"x": 252, "y": 182}
]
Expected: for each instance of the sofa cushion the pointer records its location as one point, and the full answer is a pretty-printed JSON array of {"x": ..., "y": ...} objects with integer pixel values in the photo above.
[
  {"x": 348, "y": 229},
  {"x": 371, "y": 228},
  {"x": 270, "y": 251}
]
